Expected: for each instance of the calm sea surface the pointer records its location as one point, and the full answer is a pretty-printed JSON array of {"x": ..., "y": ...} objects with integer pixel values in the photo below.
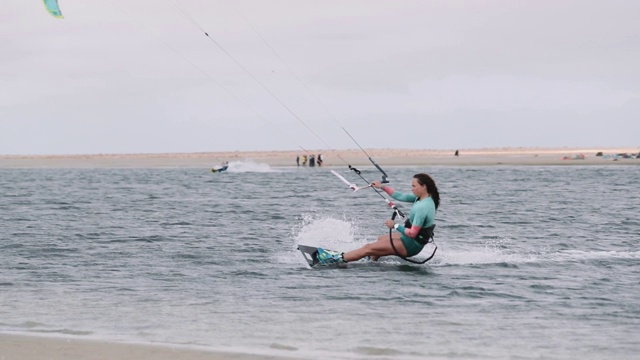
[{"x": 533, "y": 262}]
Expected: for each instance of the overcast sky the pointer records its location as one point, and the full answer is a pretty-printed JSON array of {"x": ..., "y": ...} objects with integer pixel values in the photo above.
[{"x": 121, "y": 76}]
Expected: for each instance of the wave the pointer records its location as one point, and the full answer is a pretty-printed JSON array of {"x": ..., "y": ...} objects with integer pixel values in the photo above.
[
  {"x": 581, "y": 255},
  {"x": 506, "y": 257},
  {"x": 487, "y": 254}
]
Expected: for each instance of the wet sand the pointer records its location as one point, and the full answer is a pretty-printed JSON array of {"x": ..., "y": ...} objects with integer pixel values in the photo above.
[
  {"x": 355, "y": 157},
  {"x": 21, "y": 347}
]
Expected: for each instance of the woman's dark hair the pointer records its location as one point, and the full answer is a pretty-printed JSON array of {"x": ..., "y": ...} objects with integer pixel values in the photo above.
[{"x": 424, "y": 179}]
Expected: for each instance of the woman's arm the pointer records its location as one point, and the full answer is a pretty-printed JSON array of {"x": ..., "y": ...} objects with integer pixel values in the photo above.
[
  {"x": 400, "y": 196},
  {"x": 412, "y": 232},
  {"x": 394, "y": 194}
]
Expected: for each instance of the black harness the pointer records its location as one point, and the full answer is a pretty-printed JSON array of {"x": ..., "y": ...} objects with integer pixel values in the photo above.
[{"x": 424, "y": 237}]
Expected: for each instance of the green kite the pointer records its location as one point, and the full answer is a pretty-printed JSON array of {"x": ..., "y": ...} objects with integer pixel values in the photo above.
[{"x": 53, "y": 8}]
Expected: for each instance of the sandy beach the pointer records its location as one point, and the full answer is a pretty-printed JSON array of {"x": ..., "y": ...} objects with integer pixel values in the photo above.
[
  {"x": 355, "y": 157},
  {"x": 21, "y": 347}
]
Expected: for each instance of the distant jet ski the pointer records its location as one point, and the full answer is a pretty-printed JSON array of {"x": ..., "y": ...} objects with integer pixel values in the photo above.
[{"x": 223, "y": 168}]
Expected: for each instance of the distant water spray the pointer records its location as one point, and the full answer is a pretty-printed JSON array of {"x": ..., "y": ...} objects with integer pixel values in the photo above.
[{"x": 244, "y": 166}]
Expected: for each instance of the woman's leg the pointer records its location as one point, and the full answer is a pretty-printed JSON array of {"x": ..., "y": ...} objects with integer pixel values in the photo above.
[{"x": 381, "y": 247}]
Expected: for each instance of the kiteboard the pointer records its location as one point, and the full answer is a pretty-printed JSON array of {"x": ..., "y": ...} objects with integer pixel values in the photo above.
[{"x": 310, "y": 254}]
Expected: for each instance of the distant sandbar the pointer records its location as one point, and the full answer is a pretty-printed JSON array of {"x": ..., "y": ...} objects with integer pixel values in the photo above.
[{"x": 356, "y": 157}]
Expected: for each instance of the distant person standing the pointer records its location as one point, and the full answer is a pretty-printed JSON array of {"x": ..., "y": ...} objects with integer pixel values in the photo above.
[
  {"x": 312, "y": 160},
  {"x": 304, "y": 160},
  {"x": 298, "y": 160},
  {"x": 319, "y": 159},
  {"x": 457, "y": 153}
]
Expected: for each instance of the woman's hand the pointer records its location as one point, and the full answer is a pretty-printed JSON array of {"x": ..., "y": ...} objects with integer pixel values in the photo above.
[
  {"x": 377, "y": 184},
  {"x": 389, "y": 224}
]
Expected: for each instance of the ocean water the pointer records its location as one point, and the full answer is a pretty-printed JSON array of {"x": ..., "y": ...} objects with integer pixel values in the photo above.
[{"x": 532, "y": 262}]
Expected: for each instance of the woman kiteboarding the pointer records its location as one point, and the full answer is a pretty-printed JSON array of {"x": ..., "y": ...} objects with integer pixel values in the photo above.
[{"x": 410, "y": 237}]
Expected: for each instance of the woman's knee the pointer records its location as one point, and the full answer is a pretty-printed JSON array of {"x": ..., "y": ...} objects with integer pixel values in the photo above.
[
  {"x": 372, "y": 249},
  {"x": 368, "y": 248}
]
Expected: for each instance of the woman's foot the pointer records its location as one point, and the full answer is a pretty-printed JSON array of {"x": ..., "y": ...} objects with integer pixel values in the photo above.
[{"x": 328, "y": 257}]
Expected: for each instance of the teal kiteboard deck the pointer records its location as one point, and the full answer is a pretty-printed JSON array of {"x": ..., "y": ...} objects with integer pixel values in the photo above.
[{"x": 310, "y": 254}]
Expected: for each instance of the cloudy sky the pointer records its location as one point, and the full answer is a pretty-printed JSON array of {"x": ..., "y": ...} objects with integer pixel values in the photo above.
[{"x": 121, "y": 76}]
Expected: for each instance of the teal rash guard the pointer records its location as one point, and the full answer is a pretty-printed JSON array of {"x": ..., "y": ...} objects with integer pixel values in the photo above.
[{"x": 422, "y": 215}]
